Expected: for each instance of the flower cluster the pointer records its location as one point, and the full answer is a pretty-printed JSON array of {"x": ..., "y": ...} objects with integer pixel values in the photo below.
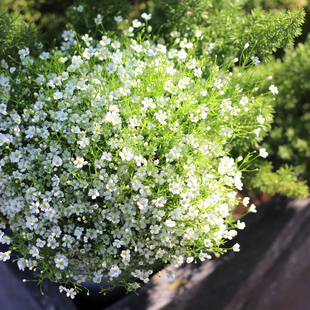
[{"x": 114, "y": 158}]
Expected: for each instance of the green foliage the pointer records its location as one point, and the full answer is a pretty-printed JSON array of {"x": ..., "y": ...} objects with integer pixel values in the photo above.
[
  {"x": 226, "y": 28},
  {"x": 283, "y": 181},
  {"x": 108, "y": 9},
  {"x": 268, "y": 31},
  {"x": 47, "y": 15},
  {"x": 288, "y": 142},
  {"x": 276, "y": 4},
  {"x": 15, "y": 34}
]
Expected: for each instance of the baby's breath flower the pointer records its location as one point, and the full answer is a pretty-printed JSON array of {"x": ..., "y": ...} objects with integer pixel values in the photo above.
[
  {"x": 120, "y": 157},
  {"x": 170, "y": 274},
  {"x": 255, "y": 60},
  {"x": 4, "y": 256},
  {"x": 126, "y": 154},
  {"x": 71, "y": 293},
  {"x": 236, "y": 247},
  {"x": 198, "y": 33},
  {"x": 79, "y": 162},
  {"x": 98, "y": 19},
  {"x": 61, "y": 261},
  {"x": 118, "y": 19},
  {"x": 114, "y": 271},
  {"x": 146, "y": 16},
  {"x": 80, "y": 8},
  {"x": 260, "y": 119},
  {"x": 240, "y": 225},
  {"x": 22, "y": 263},
  {"x": 263, "y": 153},
  {"x": 136, "y": 23},
  {"x": 252, "y": 208},
  {"x": 246, "y": 201},
  {"x": 273, "y": 89}
]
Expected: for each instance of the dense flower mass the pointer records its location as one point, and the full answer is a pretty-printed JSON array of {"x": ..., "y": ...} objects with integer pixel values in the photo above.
[{"x": 114, "y": 157}]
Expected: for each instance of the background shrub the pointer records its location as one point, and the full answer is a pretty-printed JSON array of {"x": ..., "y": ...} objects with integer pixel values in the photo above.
[{"x": 288, "y": 142}]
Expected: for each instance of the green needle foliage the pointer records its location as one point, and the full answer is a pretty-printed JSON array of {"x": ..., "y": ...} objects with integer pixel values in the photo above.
[
  {"x": 288, "y": 143},
  {"x": 226, "y": 27},
  {"x": 14, "y": 35},
  {"x": 91, "y": 8}
]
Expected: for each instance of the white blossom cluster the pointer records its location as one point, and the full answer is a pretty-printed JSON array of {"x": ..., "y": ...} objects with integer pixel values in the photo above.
[{"x": 114, "y": 158}]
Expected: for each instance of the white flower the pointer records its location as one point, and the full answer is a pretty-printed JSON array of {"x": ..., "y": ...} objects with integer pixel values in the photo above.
[
  {"x": 246, "y": 201},
  {"x": 118, "y": 19},
  {"x": 31, "y": 222},
  {"x": 126, "y": 154},
  {"x": 198, "y": 33},
  {"x": 198, "y": 72},
  {"x": 255, "y": 60},
  {"x": 80, "y": 162},
  {"x": 260, "y": 119},
  {"x": 136, "y": 23},
  {"x": 154, "y": 229},
  {"x": 170, "y": 274},
  {"x": 227, "y": 165},
  {"x": 146, "y": 16},
  {"x": 148, "y": 103},
  {"x": 83, "y": 142},
  {"x": 240, "y": 225},
  {"x": 246, "y": 45},
  {"x": 4, "y": 239},
  {"x": 61, "y": 261},
  {"x": 170, "y": 70},
  {"x": 93, "y": 193},
  {"x": 80, "y": 8},
  {"x": 22, "y": 263},
  {"x": 15, "y": 156},
  {"x": 142, "y": 203},
  {"x": 4, "y": 256},
  {"x": 252, "y": 208},
  {"x": 57, "y": 161},
  {"x": 71, "y": 293},
  {"x": 263, "y": 153},
  {"x": 161, "y": 116},
  {"x": 189, "y": 45},
  {"x": 126, "y": 255},
  {"x": 34, "y": 251},
  {"x": 113, "y": 117},
  {"x": 114, "y": 271},
  {"x": 58, "y": 95},
  {"x": 273, "y": 89},
  {"x": 170, "y": 223},
  {"x": 257, "y": 131},
  {"x": 98, "y": 19},
  {"x": 118, "y": 243},
  {"x": 236, "y": 247}
]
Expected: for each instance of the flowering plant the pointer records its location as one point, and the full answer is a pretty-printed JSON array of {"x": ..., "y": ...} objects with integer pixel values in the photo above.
[{"x": 115, "y": 156}]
